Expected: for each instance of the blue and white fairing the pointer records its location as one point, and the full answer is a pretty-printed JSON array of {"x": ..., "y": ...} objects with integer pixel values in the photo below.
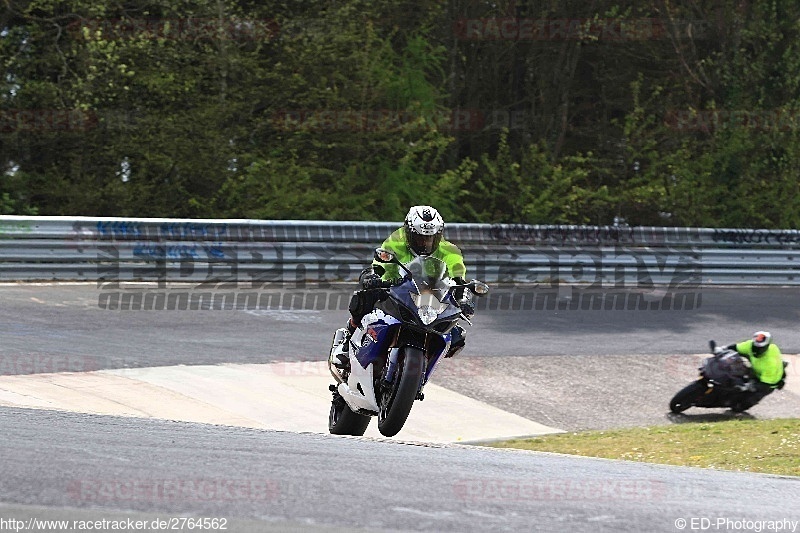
[
  {"x": 424, "y": 302},
  {"x": 420, "y": 311},
  {"x": 378, "y": 329}
]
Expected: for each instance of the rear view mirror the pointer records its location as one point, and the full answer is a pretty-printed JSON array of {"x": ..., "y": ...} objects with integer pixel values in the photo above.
[
  {"x": 478, "y": 287},
  {"x": 384, "y": 256}
]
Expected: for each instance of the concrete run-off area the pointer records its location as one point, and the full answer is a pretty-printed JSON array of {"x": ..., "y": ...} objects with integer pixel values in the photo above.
[{"x": 281, "y": 396}]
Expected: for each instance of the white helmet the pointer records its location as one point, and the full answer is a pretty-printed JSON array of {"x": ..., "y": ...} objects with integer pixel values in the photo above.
[
  {"x": 761, "y": 341},
  {"x": 424, "y": 228}
]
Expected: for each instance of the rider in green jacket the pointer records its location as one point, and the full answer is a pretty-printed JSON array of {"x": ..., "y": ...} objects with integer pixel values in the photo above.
[
  {"x": 406, "y": 243},
  {"x": 767, "y": 366},
  {"x": 421, "y": 234}
]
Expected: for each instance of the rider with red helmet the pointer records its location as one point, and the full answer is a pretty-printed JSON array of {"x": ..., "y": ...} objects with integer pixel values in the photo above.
[{"x": 767, "y": 366}]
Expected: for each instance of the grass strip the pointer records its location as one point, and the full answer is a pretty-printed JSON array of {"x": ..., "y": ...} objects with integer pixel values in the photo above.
[{"x": 767, "y": 446}]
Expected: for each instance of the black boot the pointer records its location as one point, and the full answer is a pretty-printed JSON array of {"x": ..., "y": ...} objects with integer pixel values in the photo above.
[
  {"x": 340, "y": 348},
  {"x": 342, "y": 355}
]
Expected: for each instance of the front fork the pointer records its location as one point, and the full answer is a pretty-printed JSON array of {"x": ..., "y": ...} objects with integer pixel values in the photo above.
[
  {"x": 391, "y": 370},
  {"x": 391, "y": 366}
]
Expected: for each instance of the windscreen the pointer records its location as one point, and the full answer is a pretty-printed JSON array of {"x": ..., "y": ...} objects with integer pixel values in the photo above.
[{"x": 429, "y": 274}]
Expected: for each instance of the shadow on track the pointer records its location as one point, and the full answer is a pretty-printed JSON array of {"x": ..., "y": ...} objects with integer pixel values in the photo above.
[{"x": 683, "y": 418}]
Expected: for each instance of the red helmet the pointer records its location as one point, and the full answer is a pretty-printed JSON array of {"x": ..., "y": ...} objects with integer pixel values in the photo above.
[{"x": 761, "y": 341}]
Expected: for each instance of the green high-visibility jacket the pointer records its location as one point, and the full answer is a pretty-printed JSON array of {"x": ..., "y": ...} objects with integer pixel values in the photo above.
[
  {"x": 397, "y": 244},
  {"x": 768, "y": 368}
]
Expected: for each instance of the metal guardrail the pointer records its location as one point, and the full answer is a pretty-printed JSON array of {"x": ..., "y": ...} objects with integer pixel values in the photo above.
[{"x": 255, "y": 253}]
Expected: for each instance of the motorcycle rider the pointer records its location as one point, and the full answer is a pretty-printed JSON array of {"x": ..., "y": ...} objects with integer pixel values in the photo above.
[
  {"x": 421, "y": 234},
  {"x": 767, "y": 367}
]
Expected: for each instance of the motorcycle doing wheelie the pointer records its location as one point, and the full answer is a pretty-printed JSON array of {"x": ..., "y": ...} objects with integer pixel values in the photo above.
[
  {"x": 722, "y": 383},
  {"x": 401, "y": 342}
]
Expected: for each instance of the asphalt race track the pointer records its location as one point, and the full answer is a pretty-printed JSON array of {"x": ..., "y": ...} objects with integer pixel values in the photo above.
[
  {"x": 66, "y": 320},
  {"x": 62, "y": 465},
  {"x": 272, "y": 481}
]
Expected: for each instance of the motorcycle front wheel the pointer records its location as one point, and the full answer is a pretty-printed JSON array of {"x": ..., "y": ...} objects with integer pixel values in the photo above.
[
  {"x": 688, "y": 396},
  {"x": 397, "y": 400}
]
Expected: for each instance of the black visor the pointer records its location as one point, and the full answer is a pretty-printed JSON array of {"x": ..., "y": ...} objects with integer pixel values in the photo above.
[{"x": 425, "y": 244}]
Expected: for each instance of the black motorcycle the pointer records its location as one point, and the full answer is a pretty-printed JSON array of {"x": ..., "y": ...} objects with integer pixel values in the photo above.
[{"x": 723, "y": 383}]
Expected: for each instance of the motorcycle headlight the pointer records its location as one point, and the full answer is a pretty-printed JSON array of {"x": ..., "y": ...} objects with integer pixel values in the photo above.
[
  {"x": 427, "y": 314},
  {"x": 428, "y": 306}
]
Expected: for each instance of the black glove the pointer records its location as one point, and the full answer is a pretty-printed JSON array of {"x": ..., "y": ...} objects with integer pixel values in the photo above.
[
  {"x": 466, "y": 307},
  {"x": 458, "y": 292},
  {"x": 371, "y": 281}
]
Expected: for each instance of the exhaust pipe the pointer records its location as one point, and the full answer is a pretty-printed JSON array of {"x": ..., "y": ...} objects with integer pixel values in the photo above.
[
  {"x": 338, "y": 339},
  {"x": 335, "y": 372}
]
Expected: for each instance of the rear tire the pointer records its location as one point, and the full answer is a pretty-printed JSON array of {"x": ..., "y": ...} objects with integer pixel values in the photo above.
[
  {"x": 343, "y": 421},
  {"x": 688, "y": 396},
  {"x": 396, "y": 403}
]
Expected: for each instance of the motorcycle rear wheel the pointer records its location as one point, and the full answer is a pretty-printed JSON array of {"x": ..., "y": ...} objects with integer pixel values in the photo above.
[
  {"x": 396, "y": 403},
  {"x": 687, "y": 396},
  {"x": 343, "y": 421}
]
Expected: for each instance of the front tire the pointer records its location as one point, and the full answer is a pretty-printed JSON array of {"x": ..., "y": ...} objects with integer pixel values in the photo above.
[
  {"x": 396, "y": 402},
  {"x": 688, "y": 396},
  {"x": 343, "y": 421}
]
